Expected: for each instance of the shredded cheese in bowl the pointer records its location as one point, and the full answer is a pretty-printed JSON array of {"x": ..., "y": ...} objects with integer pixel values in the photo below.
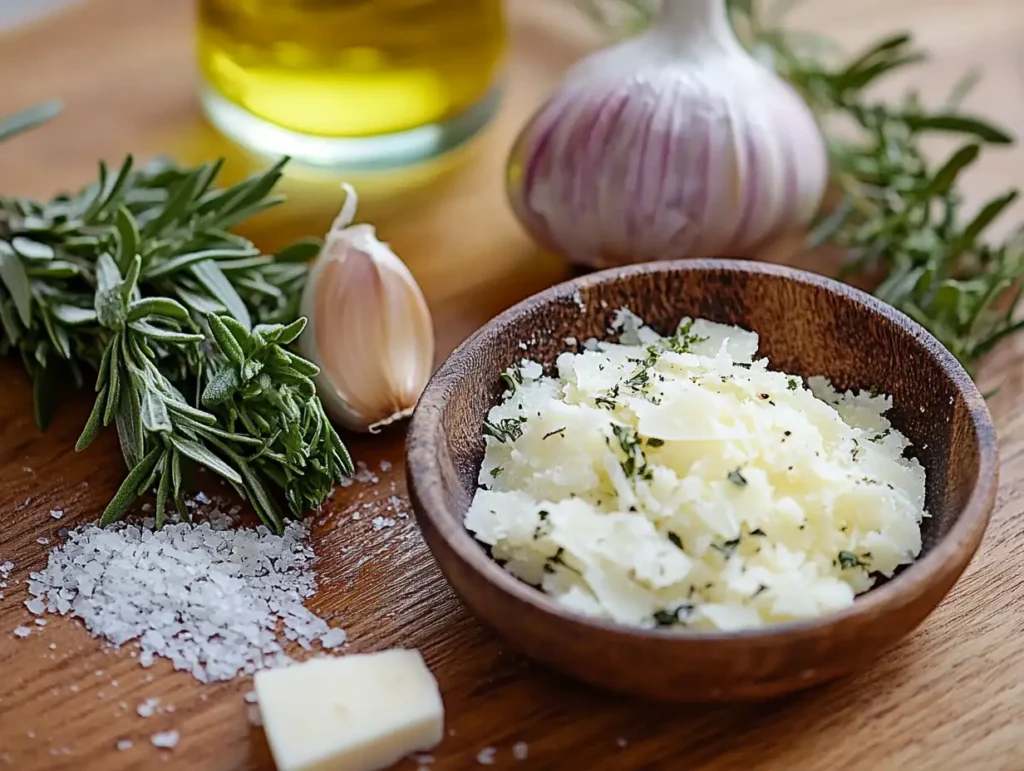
[{"x": 678, "y": 482}]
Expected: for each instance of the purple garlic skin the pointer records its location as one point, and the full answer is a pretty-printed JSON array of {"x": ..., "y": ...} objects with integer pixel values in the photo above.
[{"x": 701, "y": 156}]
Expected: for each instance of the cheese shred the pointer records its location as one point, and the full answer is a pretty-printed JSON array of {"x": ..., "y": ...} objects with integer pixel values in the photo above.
[{"x": 678, "y": 482}]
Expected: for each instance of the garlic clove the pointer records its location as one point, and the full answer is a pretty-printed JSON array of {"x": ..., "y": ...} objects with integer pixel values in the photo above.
[
  {"x": 370, "y": 329},
  {"x": 674, "y": 144}
]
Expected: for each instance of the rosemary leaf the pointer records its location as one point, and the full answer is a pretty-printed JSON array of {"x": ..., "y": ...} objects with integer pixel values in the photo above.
[{"x": 125, "y": 278}]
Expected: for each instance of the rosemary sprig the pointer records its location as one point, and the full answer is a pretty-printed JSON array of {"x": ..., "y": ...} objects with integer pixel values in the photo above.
[
  {"x": 901, "y": 216},
  {"x": 186, "y": 325}
]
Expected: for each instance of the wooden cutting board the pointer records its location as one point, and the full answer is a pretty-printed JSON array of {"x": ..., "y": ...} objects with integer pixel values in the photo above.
[{"x": 952, "y": 696}]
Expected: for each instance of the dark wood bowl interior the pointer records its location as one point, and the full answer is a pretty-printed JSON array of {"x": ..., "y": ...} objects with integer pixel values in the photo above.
[{"x": 807, "y": 325}]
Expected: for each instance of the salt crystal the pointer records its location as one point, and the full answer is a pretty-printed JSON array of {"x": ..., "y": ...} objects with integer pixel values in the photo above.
[
  {"x": 486, "y": 756},
  {"x": 522, "y": 346},
  {"x": 570, "y": 341},
  {"x": 209, "y": 597},
  {"x": 35, "y": 606},
  {"x": 379, "y": 523},
  {"x": 334, "y": 638},
  {"x": 165, "y": 739},
  {"x": 202, "y": 498},
  {"x": 22, "y": 631},
  {"x": 124, "y": 744},
  {"x": 57, "y": 513},
  {"x": 520, "y": 750},
  {"x": 43, "y": 541},
  {"x": 621, "y": 742},
  {"x": 356, "y": 516},
  {"x": 364, "y": 475},
  {"x": 250, "y": 697},
  {"x": 40, "y": 622},
  {"x": 53, "y": 646},
  {"x": 148, "y": 707},
  {"x": 73, "y": 688},
  {"x": 385, "y": 465}
]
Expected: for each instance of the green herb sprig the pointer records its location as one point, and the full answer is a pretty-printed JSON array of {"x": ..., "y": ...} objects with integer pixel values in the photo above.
[
  {"x": 901, "y": 216},
  {"x": 138, "y": 279}
]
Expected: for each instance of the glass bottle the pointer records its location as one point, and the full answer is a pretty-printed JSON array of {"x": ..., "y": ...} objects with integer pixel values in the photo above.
[{"x": 350, "y": 83}]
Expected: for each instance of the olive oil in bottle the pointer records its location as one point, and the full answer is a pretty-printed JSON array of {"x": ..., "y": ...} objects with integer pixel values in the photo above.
[{"x": 350, "y": 82}]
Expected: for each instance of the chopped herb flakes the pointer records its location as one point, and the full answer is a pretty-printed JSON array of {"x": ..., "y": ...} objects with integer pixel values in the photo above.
[
  {"x": 736, "y": 477},
  {"x": 635, "y": 461},
  {"x": 727, "y": 548},
  {"x": 675, "y": 539},
  {"x": 495, "y": 471},
  {"x": 847, "y": 560},
  {"x": 684, "y": 339},
  {"x": 673, "y": 617},
  {"x": 505, "y": 430},
  {"x": 608, "y": 401},
  {"x": 556, "y": 432},
  {"x": 655, "y": 442},
  {"x": 512, "y": 378}
]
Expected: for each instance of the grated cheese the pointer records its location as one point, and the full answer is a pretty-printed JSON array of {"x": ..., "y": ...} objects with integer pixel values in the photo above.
[{"x": 679, "y": 482}]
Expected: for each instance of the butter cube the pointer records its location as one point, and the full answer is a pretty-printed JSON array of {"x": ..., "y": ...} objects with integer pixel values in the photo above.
[{"x": 351, "y": 713}]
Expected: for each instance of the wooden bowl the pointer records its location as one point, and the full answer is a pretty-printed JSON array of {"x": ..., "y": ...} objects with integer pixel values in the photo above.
[{"x": 808, "y": 325}]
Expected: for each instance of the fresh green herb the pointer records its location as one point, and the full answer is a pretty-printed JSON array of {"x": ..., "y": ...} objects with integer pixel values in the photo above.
[
  {"x": 496, "y": 471},
  {"x": 186, "y": 326},
  {"x": 792, "y": 384},
  {"x": 760, "y": 589},
  {"x": 557, "y": 559},
  {"x": 635, "y": 462},
  {"x": 27, "y": 119},
  {"x": 512, "y": 378},
  {"x": 655, "y": 442},
  {"x": 880, "y": 436},
  {"x": 901, "y": 216},
  {"x": 736, "y": 477},
  {"x": 543, "y": 515},
  {"x": 505, "y": 430},
  {"x": 608, "y": 401},
  {"x": 673, "y": 617},
  {"x": 727, "y": 548},
  {"x": 641, "y": 377},
  {"x": 847, "y": 560},
  {"x": 684, "y": 339},
  {"x": 676, "y": 540},
  {"x": 556, "y": 432}
]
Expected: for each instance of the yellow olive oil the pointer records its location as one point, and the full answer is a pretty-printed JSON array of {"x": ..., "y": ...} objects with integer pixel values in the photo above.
[{"x": 351, "y": 68}]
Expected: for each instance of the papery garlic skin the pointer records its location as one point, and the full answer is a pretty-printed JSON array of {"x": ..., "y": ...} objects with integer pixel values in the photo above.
[
  {"x": 370, "y": 329},
  {"x": 674, "y": 144}
]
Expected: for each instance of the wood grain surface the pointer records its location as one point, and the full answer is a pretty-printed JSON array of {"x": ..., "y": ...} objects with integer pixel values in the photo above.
[{"x": 950, "y": 697}]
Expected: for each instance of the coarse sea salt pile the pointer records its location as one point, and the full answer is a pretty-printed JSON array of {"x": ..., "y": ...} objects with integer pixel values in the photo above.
[
  {"x": 5, "y": 573},
  {"x": 212, "y": 598}
]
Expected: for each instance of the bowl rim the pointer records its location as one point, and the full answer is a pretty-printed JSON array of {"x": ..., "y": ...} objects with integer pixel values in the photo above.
[{"x": 422, "y": 465}]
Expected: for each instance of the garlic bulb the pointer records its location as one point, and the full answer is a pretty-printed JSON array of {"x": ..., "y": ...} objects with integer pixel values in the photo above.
[
  {"x": 676, "y": 143},
  {"x": 370, "y": 330}
]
